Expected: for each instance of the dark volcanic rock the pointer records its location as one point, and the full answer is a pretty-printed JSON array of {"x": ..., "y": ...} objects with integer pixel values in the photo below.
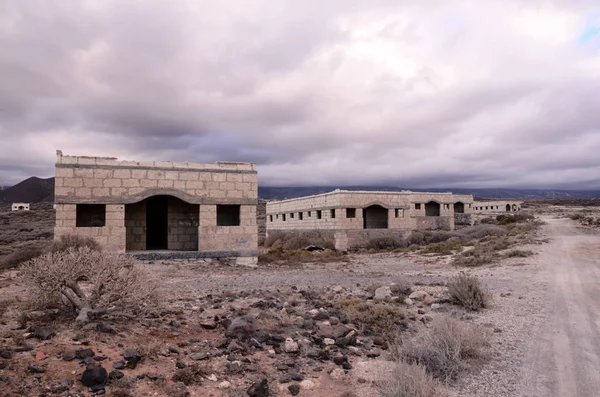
[
  {"x": 34, "y": 369},
  {"x": 6, "y": 354},
  {"x": 94, "y": 375},
  {"x": 68, "y": 355},
  {"x": 259, "y": 389},
  {"x": 82, "y": 354},
  {"x": 42, "y": 333},
  {"x": 132, "y": 357},
  {"x": 241, "y": 328},
  {"x": 294, "y": 389}
]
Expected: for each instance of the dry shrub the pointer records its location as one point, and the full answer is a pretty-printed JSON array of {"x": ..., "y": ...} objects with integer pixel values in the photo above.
[
  {"x": 376, "y": 318},
  {"x": 506, "y": 219},
  {"x": 386, "y": 243},
  {"x": 92, "y": 282},
  {"x": 297, "y": 240},
  {"x": 72, "y": 241},
  {"x": 443, "y": 248},
  {"x": 481, "y": 231},
  {"x": 297, "y": 257},
  {"x": 409, "y": 380},
  {"x": 401, "y": 288},
  {"x": 19, "y": 257},
  {"x": 519, "y": 253},
  {"x": 447, "y": 348},
  {"x": 416, "y": 238},
  {"x": 467, "y": 291}
]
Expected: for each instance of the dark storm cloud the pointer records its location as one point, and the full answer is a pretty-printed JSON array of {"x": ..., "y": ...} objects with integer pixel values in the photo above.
[{"x": 350, "y": 92}]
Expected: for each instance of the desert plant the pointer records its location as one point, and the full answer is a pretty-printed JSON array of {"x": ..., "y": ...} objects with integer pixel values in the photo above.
[
  {"x": 386, "y": 243},
  {"x": 377, "y": 318},
  {"x": 409, "y": 380},
  {"x": 442, "y": 248},
  {"x": 91, "y": 282},
  {"x": 416, "y": 238},
  {"x": 72, "y": 241},
  {"x": 401, "y": 288},
  {"x": 467, "y": 291},
  {"x": 519, "y": 253},
  {"x": 192, "y": 374},
  {"x": 447, "y": 348}
]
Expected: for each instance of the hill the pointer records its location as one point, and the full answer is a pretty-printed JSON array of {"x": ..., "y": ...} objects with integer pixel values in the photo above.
[
  {"x": 31, "y": 190},
  {"x": 35, "y": 190}
]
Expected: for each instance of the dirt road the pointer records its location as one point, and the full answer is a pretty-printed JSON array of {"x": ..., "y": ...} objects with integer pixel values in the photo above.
[{"x": 562, "y": 354}]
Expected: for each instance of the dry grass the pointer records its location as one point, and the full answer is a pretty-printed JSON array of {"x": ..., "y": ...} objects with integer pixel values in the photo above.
[
  {"x": 71, "y": 241},
  {"x": 447, "y": 348},
  {"x": 447, "y": 248},
  {"x": 386, "y": 243},
  {"x": 467, "y": 291},
  {"x": 20, "y": 256},
  {"x": 409, "y": 380},
  {"x": 191, "y": 375},
  {"x": 519, "y": 253},
  {"x": 375, "y": 318},
  {"x": 300, "y": 256},
  {"x": 299, "y": 240}
]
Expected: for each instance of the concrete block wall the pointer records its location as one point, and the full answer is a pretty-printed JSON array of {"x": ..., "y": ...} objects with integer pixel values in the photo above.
[
  {"x": 122, "y": 185},
  {"x": 496, "y": 206},
  {"x": 183, "y": 223},
  {"x": 401, "y": 207},
  {"x": 112, "y": 236}
]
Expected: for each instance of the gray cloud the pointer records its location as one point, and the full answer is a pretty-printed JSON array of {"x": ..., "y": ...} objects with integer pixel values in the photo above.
[{"x": 499, "y": 94}]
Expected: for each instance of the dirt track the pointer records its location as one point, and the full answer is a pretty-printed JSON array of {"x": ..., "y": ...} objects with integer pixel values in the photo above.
[{"x": 562, "y": 356}]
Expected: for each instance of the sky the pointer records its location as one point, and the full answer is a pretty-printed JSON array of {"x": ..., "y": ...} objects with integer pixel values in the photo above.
[{"x": 317, "y": 92}]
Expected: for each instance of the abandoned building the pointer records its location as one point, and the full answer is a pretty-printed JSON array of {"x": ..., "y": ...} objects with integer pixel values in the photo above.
[
  {"x": 202, "y": 210},
  {"x": 20, "y": 207},
  {"x": 354, "y": 216},
  {"x": 497, "y": 206}
]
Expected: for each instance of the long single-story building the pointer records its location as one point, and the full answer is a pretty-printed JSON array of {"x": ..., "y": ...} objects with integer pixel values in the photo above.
[
  {"x": 348, "y": 212},
  {"x": 494, "y": 206},
  {"x": 203, "y": 210}
]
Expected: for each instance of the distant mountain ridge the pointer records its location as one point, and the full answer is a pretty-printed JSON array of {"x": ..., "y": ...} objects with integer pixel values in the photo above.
[
  {"x": 31, "y": 190},
  {"x": 35, "y": 190}
]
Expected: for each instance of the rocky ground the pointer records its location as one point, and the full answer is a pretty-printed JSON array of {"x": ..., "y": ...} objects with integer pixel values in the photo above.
[{"x": 313, "y": 329}]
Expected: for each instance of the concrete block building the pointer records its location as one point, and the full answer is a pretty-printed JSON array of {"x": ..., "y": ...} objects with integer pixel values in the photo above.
[
  {"x": 358, "y": 215},
  {"x": 20, "y": 207},
  {"x": 208, "y": 210},
  {"x": 485, "y": 207}
]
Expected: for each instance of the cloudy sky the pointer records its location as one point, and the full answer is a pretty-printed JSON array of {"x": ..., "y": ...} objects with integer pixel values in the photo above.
[{"x": 414, "y": 93}]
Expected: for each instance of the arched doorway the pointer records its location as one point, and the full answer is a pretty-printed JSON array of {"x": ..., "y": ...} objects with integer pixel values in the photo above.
[
  {"x": 432, "y": 209},
  {"x": 459, "y": 208},
  {"x": 514, "y": 207},
  {"x": 507, "y": 207},
  {"x": 21, "y": 208},
  {"x": 375, "y": 217},
  {"x": 162, "y": 223}
]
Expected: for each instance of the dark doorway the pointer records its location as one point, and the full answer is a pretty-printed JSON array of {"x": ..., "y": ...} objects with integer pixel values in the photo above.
[
  {"x": 375, "y": 217},
  {"x": 459, "y": 208},
  {"x": 157, "y": 231},
  {"x": 432, "y": 209},
  {"x": 507, "y": 207}
]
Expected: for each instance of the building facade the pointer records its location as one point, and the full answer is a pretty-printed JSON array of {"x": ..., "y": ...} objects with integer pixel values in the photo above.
[
  {"x": 348, "y": 212},
  {"x": 484, "y": 207},
  {"x": 20, "y": 207},
  {"x": 131, "y": 206}
]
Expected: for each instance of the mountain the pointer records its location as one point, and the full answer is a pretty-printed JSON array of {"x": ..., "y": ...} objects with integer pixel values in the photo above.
[
  {"x": 34, "y": 190},
  {"x": 31, "y": 190},
  {"x": 281, "y": 193}
]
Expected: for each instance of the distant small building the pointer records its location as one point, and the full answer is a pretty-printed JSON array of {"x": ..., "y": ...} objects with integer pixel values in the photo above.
[
  {"x": 495, "y": 206},
  {"x": 20, "y": 206}
]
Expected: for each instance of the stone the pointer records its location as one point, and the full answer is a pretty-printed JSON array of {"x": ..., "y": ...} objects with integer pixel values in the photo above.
[
  {"x": 132, "y": 357},
  {"x": 208, "y": 324},
  {"x": 307, "y": 384},
  {"x": 259, "y": 389},
  {"x": 290, "y": 346},
  {"x": 339, "y": 359},
  {"x": 40, "y": 356},
  {"x": 383, "y": 293},
  {"x": 6, "y": 354},
  {"x": 334, "y": 320},
  {"x": 408, "y": 302},
  {"x": 199, "y": 356},
  {"x": 94, "y": 375},
  {"x": 296, "y": 376},
  {"x": 418, "y": 295},
  {"x": 241, "y": 328},
  {"x": 69, "y": 355},
  {"x": 115, "y": 374},
  {"x": 429, "y": 300},
  {"x": 105, "y": 329},
  {"x": 42, "y": 333},
  {"x": 224, "y": 385},
  {"x": 328, "y": 341},
  {"x": 82, "y": 354},
  {"x": 119, "y": 365},
  {"x": 294, "y": 389},
  {"x": 34, "y": 369},
  {"x": 180, "y": 364},
  {"x": 435, "y": 306},
  {"x": 421, "y": 311},
  {"x": 337, "y": 373}
]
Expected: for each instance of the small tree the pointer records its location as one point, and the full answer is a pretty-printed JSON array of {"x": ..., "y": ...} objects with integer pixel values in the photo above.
[{"x": 91, "y": 283}]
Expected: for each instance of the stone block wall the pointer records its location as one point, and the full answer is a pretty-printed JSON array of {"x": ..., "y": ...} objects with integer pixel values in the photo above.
[
  {"x": 402, "y": 210},
  {"x": 123, "y": 187},
  {"x": 497, "y": 206}
]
